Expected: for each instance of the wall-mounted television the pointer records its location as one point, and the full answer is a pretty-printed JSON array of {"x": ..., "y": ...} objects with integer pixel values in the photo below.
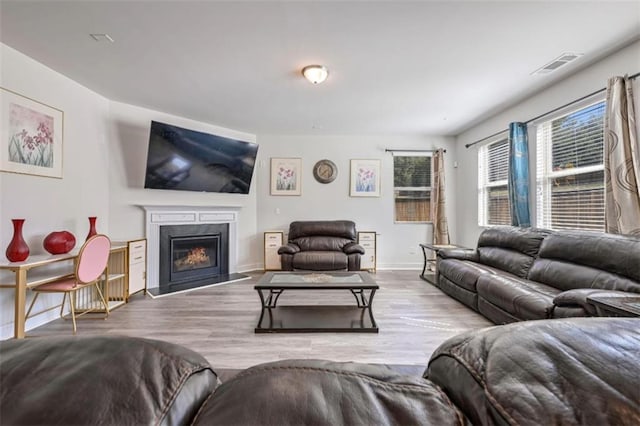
[{"x": 187, "y": 160}]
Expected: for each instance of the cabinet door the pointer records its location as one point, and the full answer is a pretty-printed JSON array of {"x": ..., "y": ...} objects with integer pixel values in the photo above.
[
  {"x": 272, "y": 242},
  {"x": 368, "y": 242},
  {"x": 137, "y": 266},
  {"x": 137, "y": 277}
]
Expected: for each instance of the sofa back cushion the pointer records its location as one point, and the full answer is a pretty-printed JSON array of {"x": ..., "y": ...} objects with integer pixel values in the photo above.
[
  {"x": 321, "y": 243},
  {"x": 316, "y": 392},
  {"x": 581, "y": 259},
  {"x": 326, "y": 228},
  {"x": 510, "y": 249},
  {"x": 92, "y": 380},
  {"x": 548, "y": 372}
]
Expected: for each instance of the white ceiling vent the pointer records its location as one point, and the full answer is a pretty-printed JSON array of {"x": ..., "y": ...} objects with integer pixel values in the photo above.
[
  {"x": 101, "y": 37},
  {"x": 558, "y": 62}
]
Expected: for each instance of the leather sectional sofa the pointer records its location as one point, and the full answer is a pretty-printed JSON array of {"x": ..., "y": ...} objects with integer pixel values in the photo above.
[
  {"x": 518, "y": 274},
  {"x": 321, "y": 246},
  {"x": 578, "y": 371}
]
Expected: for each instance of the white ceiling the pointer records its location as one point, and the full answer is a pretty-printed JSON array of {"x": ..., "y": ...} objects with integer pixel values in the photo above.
[{"x": 419, "y": 67}]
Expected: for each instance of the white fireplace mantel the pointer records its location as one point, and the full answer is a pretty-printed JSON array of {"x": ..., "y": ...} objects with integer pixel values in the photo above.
[{"x": 159, "y": 215}]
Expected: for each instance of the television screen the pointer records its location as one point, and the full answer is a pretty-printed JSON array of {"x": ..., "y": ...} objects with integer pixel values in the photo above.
[{"x": 187, "y": 160}]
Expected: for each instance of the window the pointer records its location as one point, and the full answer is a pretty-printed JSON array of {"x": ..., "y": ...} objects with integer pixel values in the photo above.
[
  {"x": 493, "y": 178},
  {"x": 412, "y": 187},
  {"x": 570, "y": 170}
]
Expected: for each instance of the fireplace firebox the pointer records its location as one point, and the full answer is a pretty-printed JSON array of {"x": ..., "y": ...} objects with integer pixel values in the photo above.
[{"x": 191, "y": 254}]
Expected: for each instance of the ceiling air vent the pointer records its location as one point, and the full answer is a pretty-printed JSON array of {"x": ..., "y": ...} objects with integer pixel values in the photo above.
[
  {"x": 101, "y": 37},
  {"x": 558, "y": 62}
]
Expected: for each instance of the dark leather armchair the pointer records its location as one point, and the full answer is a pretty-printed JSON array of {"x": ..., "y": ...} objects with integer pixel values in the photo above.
[{"x": 321, "y": 246}]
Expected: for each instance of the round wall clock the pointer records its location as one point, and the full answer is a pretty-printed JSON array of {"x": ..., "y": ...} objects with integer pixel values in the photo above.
[{"x": 325, "y": 171}]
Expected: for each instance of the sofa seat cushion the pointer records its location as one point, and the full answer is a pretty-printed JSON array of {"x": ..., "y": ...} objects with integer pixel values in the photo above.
[
  {"x": 101, "y": 380},
  {"x": 465, "y": 273},
  {"x": 314, "y": 392},
  {"x": 320, "y": 260},
  {"x": 524, "y": 299},
  {"x": 579, "y": 371}
]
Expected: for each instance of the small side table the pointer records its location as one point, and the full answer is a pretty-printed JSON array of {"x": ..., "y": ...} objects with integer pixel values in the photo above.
[
  {"x": 609, "y": 306},
  {"x": 429, "y": 271}
]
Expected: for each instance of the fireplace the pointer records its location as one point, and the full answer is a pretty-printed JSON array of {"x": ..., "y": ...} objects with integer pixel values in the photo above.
[
  {"x": 191, "y": 254},
  {"x": 205, "y": 245}
]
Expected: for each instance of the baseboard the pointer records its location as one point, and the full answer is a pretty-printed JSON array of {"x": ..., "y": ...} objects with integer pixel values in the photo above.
[
  {"x": 6, "y": 330},
  {"x": 400, "y": 266},
  {"x": 251, "y": 267}
]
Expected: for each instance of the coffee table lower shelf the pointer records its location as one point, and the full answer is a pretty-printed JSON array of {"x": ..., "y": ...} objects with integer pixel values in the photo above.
[{"x": 316, "y": 319}]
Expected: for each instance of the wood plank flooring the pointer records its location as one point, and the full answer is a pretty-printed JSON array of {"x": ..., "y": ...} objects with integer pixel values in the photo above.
[{"x": 414, "y": 317}]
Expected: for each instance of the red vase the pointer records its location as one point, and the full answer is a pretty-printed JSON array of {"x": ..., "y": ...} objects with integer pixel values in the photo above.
[
  {"x": 92, "y": 227},
  {"x": 59, "y": 242},
  {"x": 18, "y": 250}
]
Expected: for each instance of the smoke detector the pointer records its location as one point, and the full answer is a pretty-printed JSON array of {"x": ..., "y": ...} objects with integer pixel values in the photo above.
[{"x": 558, "y": 62}]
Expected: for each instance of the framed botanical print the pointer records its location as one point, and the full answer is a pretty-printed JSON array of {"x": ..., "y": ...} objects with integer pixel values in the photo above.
[
  {"x": 365, "y": 178},
  {"x": 286, "y": 176},
  {"x": 31, "y": 136}
]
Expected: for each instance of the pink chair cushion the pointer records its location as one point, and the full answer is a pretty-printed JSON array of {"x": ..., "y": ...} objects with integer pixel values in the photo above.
[
  {"x": 63, "y": 284},
  {"x": 93, "y": 258}
]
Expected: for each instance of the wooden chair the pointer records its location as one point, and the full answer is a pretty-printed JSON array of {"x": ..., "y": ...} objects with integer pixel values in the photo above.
[{"x": 89, "y": 268}]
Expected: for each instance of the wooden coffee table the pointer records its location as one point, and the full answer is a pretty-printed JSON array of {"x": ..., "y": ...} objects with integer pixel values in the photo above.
[{"x": 356, "y": 318}]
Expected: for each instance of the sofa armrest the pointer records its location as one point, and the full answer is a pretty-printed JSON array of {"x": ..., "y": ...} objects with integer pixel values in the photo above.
[
  {"x": 353, "y": 248},
  {"x": 289, "y": 248},
  {"x": 460, "y": 254},
  {"x": 578, "y": 297}
]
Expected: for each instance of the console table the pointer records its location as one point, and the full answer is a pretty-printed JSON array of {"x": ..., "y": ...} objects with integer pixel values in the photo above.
[
  {"x": 30, "y": 273},
  {"x": 616, "y": 306}
]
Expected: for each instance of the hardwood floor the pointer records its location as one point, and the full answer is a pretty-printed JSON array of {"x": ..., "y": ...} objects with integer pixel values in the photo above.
[{"x": 414, "y": 317}]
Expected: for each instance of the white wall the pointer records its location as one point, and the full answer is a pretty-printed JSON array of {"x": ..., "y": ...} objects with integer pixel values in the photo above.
[
  {"x": 104, "y": 159},
  {"x": 397, "y": 243},
  {"x": 50, "y": 204},
  {"x": 591, "y": 79},
  {"x": 129, "y": 138}
]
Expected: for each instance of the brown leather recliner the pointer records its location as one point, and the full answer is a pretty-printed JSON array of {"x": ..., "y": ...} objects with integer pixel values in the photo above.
[{"x": 321, "y": 246}]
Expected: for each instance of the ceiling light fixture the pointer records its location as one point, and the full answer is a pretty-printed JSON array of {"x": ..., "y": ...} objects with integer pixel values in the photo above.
[{"x": 316, "y": 74}]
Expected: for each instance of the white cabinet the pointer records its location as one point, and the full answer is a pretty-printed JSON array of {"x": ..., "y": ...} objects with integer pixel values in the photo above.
[
  {"x": 137, "y": 265},
  {"x": 272, "y": 242},
  {"x": 368, "y": 241}
]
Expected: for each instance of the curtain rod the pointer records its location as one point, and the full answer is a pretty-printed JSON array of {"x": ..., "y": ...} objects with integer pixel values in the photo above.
[
  {"x": 412, "y": 150},
  {"x": 548, "y": 112}
]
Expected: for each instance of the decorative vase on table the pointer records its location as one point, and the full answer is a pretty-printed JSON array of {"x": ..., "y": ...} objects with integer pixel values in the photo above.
[
  {"x": 92, "y": 227},
  {"x": 59, "y": 242},
  {"x": 17, "y": 250}
]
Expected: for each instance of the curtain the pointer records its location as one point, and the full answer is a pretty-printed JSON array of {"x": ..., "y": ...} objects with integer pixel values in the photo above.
[
  {"x": 438, "y": 215},
  {"x": 519, "y": 174},
  {"x": 622, "y": 160}
]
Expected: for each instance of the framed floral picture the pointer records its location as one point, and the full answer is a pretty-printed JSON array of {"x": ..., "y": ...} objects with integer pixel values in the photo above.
[
  {"x": 31, "y": 136},
  {"x": 286, "y": 176},
  {"x": 365, "y": 178}
]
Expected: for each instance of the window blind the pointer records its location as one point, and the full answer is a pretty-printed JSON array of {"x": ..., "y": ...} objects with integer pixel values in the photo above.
[
  {"x": 493, "y": 175},
  {"x": 412, "y": 177},
  {"x": 570, "y": 170}
]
